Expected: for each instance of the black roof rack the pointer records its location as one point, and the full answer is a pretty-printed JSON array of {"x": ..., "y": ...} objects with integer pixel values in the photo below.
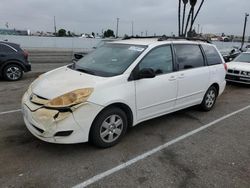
[
  {"x": 140, "y": 37},
  {"x": 164, "y": 38}
]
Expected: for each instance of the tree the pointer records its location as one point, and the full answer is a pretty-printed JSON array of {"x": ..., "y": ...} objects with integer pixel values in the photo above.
[
  {"x": 109, "y": 33},
  {"x": 62, "y": 33}
]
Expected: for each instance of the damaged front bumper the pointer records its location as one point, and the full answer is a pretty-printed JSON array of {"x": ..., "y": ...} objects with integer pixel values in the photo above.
[{"x": 59, "y": 127}]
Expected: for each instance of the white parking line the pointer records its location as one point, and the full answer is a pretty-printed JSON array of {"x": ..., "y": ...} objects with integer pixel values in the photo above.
[
  {"x": 10, "y": 112},
  {"x": 155, "y": 150}
]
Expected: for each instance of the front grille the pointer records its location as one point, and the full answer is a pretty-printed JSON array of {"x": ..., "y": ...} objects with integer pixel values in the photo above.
[
  {"x": 236, "y": 72},
  {"x": 233, "y": 71}
]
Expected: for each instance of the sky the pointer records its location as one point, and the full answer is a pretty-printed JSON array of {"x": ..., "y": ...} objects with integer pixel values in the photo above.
[{"x": 154, "y": 16}]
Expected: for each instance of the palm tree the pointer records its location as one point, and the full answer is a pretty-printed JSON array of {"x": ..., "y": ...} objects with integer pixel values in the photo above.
[
  {"x": 183, "y": 17},
  {"x": 179, "y": 18},
  {"x": 192, "y": 3}
]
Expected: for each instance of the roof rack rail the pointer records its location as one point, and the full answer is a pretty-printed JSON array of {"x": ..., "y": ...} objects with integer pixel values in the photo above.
[
  {"x": 141, "y": 37},
  {"x": 164, "y": 37}
]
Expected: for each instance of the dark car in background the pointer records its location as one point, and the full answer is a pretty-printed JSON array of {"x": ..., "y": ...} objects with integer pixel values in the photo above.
[
  {"x": 13, "y": 61},
  {"x": 80, "y": 55}
]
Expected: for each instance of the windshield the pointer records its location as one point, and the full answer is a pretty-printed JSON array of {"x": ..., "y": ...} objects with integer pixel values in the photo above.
[
  {"x": 109, "y": 60},
  {"x": 244, "y": 57}
]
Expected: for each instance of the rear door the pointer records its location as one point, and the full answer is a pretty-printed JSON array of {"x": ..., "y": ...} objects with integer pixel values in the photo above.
[
  {"x": 5, "y": 52},
  {"x": 156, "y": 96},
  {"x": 193, "y": 75}
]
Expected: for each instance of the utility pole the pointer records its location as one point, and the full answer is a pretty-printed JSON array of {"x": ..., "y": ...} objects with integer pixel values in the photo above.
[
  {"x": 146, "y": 33},
  {"x": 55, "y": 25},
  {"x": 117, "y": 26},
  {"x": 244, "y": 31},
  {"x": 132, "y": 28}
]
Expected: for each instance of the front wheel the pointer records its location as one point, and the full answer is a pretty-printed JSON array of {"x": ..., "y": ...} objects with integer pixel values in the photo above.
[
  {"x": 108, "y": 128},
  {"x": 12, "y": 72},
  {"x": 209, "y": 99}
]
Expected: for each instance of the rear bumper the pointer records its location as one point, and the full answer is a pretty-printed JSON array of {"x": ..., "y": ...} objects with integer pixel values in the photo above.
[
  {"x": 27, "y": 67},
  {"x": 238, "y": 79}
]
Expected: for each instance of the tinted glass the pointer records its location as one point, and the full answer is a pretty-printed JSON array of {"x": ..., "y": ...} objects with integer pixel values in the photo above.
[
  {"x": 110, "y": 59},
  {"x": 244, "y": 57},
  {"x": 159, "y": 59},
  {"x": 189, "y": 56},
  {"x": 5, "y": 49},
  {"x": 213, "y": 57}
]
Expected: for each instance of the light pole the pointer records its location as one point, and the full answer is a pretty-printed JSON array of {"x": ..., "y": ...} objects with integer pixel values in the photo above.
[
  {"x": 55, "y": 25},
  {"x": 132, "y": 28},
  {"x": 117, "y": 26},
  {"x": 244, "y": 31}
]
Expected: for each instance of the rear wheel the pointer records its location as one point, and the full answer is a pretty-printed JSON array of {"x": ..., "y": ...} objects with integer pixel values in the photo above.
[
  {"x": 12, "y": 72},
  {"x": 108, "y": 128},
  {"x": 209, "y": 99}
]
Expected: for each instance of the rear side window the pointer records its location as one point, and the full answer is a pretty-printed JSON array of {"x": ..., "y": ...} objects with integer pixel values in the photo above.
[
  {"x": 5, "y": 49},
  {"x": 212, "y": 55},
  {"x": 189, "y": 56}
]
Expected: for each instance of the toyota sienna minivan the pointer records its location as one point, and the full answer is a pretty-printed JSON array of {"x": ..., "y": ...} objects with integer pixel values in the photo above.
[{"x": 120, "y": 85}]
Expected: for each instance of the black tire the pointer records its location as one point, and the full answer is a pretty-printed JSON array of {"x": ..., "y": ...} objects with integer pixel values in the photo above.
[
  {"x": 209, "y": 99},
  {"x": 103, "y": 124},
  {"x": 12, "y": 72}
]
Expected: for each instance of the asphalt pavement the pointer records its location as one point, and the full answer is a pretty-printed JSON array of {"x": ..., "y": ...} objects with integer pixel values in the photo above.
[{"x": 217, "y": 155}]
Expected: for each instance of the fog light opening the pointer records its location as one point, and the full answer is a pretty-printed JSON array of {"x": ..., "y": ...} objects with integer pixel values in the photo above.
[{"x": 63, "y": 133}]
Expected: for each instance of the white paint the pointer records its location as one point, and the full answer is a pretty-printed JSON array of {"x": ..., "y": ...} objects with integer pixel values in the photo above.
[
  {"x": 155, "y": 150},
  {"x": 10, "y": 112}
]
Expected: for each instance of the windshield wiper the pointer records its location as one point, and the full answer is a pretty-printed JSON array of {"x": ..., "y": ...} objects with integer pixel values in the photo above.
[{"x": 85, "y": 71}]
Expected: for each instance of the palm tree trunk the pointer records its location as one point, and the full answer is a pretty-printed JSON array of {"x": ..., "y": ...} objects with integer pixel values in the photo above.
[
  {"x": 188, "y": 19},
  {"x": 179, "y": 17},
  {"x": 183, "y": 19}
]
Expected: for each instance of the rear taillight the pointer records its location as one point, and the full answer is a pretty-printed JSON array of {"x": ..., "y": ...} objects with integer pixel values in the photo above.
[
  {"x": 225, "y": 66},
  {"x": 26, "y": 54}
]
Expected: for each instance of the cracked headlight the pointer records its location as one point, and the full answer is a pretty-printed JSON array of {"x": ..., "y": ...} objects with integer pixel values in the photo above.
[{"x": 70, "y": 99}]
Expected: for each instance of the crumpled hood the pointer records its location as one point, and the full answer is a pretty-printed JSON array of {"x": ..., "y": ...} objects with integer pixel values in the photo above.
[
  {"x": 239, "y": 66},
  {"x": 61, "y": 81}
]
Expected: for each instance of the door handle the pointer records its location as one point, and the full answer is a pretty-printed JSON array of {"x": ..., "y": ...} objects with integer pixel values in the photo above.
[
  {"x": 182, "y": 76},
  {"x": 172, "y": 78}
]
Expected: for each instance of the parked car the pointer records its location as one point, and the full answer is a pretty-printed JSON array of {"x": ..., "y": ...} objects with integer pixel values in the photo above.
[
  {"x": 80, "y": 55},
  {"x": 120, "y": 85},
  {"x": 13, "y": 61},
  {"x": 232, "y": 54},
  {"x": 239, "y": 69}
]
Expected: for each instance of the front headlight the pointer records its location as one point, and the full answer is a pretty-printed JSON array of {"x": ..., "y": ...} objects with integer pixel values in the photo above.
[{"x": 70, "y": 99}]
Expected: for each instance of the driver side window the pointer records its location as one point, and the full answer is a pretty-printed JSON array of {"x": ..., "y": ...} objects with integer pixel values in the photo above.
[{"x": 159, "y": 59}]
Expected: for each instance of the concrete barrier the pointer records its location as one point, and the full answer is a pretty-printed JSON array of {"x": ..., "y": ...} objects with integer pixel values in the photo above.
[{"x": 52, "y": 55}]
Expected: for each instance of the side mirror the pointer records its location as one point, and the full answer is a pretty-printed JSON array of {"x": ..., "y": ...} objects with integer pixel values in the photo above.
[
  {"x": 146, "y": 73},
  {"x": 78, "y": 56}
]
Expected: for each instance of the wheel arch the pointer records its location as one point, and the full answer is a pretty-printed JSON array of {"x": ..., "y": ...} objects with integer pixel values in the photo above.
[
  {"x": 123, "y": 107},
  {"x": 217, "y": 86},
  {"x": 11, "y": 62}
]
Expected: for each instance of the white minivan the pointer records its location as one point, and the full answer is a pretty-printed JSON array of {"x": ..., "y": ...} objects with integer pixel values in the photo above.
[{"x": 120, "y": 85}]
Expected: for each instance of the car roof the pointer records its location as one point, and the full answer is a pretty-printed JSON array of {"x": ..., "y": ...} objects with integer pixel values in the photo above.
[
  {"x": 155, "y": 41},
  {"x": 14, "y": 45}
]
